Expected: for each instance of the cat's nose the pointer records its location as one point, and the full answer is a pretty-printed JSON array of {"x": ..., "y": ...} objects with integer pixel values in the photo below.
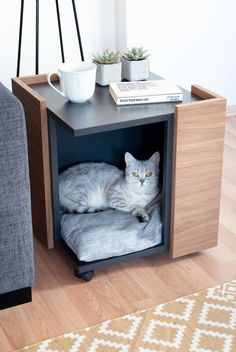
[{"x": 141, "y": 181}]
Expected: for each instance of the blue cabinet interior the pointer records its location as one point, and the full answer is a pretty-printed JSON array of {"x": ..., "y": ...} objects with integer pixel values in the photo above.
[{"x": 110, "y": 146}]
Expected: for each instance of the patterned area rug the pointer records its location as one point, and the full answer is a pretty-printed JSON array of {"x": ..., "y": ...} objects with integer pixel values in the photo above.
[{"x": 202, "y": 322}]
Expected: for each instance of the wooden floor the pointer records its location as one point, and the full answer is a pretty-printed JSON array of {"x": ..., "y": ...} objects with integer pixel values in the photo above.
[{"x": 62, "y": 303}]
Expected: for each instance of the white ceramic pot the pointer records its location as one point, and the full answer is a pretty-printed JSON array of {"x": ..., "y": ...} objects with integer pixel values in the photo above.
[
  {"x": 135, "y": 70},
  {"x": 107, "y": 73}
]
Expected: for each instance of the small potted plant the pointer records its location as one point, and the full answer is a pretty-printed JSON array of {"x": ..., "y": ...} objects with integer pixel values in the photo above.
[
  {"x": 135, "y": 64},
  {"x": 108, "y": 67}
]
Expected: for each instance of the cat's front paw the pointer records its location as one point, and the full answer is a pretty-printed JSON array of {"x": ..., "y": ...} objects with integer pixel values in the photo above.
[
  {"x": 143, "y": 217},
  {"x": 140, "y": 214}
]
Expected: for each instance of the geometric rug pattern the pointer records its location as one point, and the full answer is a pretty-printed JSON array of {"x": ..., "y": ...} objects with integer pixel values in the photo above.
[{"x": 202, "y": 322}]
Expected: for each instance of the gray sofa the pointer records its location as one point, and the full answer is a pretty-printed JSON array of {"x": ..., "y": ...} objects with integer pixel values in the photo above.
[{"x": 16, "y": 241}]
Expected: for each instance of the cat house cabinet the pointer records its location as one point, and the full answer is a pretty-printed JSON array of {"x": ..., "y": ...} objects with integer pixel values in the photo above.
[{"x": 189, "y": 136}]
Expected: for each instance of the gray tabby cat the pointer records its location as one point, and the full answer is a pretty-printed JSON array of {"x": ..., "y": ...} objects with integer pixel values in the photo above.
[{"x": 94, "y": 186}]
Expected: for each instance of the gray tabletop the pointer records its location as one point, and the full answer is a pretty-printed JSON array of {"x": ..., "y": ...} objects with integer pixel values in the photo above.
[{"x": 101, "y": 114}]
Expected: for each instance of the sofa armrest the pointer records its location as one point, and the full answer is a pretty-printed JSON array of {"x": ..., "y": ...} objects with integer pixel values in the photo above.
[{"x": 16, "y": 241}]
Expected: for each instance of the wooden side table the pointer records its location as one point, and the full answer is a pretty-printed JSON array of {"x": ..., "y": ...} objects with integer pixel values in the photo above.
[{"x": 193, "y": 140}]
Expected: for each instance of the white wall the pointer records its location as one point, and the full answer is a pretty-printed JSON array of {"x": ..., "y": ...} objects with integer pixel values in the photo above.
[
  {"x": 97, "y": 28},
  {"x": 190, "y": 41}
]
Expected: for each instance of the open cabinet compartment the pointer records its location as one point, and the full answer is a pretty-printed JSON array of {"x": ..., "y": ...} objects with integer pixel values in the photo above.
[{"x": 110, "y": 146}]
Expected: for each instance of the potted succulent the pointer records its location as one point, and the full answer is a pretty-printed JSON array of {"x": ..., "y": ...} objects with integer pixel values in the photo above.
[
  {"x": 108, "y": 67},
  {"x": 135, "y": 64}
]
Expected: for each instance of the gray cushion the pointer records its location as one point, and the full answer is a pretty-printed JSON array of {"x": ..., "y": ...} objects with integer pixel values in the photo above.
[
  {"x": 110, "y": 233},
  {"x": 16, "y": 244}
]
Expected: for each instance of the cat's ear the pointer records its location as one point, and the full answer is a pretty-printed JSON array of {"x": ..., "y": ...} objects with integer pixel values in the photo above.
[
  {"x": 155, "y": 158},
  {"x": 129, "y": 158}
]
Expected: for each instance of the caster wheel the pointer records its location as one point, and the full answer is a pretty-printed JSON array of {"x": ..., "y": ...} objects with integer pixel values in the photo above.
[{"x": 86, "y": 276}]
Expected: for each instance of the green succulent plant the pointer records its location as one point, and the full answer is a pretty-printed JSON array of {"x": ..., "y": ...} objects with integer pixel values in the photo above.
[
  {"x": 135, "y": 54},
  {"x": 106, "y": 57}
]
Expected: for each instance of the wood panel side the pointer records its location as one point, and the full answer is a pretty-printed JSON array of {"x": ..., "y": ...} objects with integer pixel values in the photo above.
[
  {"x": 199, "y": 140},
  {"x": 39, "y": 165},
  {"x": 203, "y": 92},
  {"x": 37, "y": 79}
]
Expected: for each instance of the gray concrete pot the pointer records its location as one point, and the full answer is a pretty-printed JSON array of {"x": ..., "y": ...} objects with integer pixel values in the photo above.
[
  {"x": 108, "y": 73},
  {"x": 135, "y": 70}
]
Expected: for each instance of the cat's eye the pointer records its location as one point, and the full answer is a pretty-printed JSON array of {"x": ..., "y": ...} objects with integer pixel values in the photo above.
[
  {"x": 135, "y": 174},
  {"x": 148, "y": 174}
]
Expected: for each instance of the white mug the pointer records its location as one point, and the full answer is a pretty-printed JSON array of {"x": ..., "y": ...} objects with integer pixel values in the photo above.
[{"x": 77, "y": 80}]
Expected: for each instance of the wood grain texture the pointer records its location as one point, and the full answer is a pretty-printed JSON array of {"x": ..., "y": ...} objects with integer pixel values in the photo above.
[
  {"x": 228, "y": 194},
  {"x": 199, "y": 141},
  {"x": 36, "y": 79},
  {"x": 62, "y": 303},
  {"x": 203, "y": 92},
  {"x": 38, "y": 147}
]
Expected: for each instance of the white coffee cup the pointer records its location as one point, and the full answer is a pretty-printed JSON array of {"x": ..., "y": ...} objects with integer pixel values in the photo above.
[{"x": 77, "y": 80}]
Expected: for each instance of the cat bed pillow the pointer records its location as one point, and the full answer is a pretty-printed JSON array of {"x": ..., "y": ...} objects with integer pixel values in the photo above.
[{"x": 110, "y": 233}]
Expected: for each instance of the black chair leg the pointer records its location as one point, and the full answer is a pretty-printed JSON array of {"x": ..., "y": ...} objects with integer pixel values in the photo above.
[
  {"x": 20, "y": 38},
  {"x": 37, "y": 39},
  {"x": 37, "y": 35},
  {"x": 60, "y": 33},
  {"x": 77, "y": 30}
]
